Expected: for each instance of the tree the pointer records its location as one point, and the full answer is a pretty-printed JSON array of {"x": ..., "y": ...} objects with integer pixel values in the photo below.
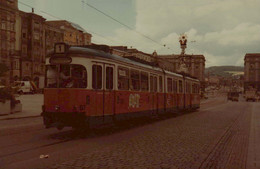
[{"x": 3, "y": 69}]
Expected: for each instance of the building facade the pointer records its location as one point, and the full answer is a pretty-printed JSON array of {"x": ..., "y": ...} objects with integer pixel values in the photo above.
[
  {"x": 194, "y": 63},
  {"x": 8, "y": 12},
  {"x": 252, "y": 71},
  {"x": 73, "y": 33},
  {"x": 26, "y": 39},
  {"x": 133, "y": 54},
  {"x": 52, "y": 36},
  {"x": 32, "y": 47}
]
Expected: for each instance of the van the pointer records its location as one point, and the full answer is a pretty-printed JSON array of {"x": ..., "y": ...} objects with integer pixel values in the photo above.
[{"x": 24, "y": 87}]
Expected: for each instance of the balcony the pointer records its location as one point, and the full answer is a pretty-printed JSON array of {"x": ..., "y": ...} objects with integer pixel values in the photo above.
[{"x": 15, "y": 53}]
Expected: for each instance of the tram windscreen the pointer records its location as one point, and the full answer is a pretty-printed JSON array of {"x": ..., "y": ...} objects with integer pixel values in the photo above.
[{"x": 66, "y": 76}]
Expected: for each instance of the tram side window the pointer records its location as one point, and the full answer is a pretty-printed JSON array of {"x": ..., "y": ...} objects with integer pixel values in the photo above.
[
  {"x": 135, "y": 80},
  {"x": 194, "y": 88},
  {"x": 174, "y": 86},
  {"x": 169, "y": 85},
  {"x": 160, "y": 84},
  {"x": 144, "y": 81},
  {"x": 78, "y": 76},
  {"x": 96, "y": 77},
  {"x": 155, "y": 83},
  {"x": 123, "y": 78},
  {"x": 180, "y": 87},
  {"x": 187, "y": 87},
  {"x": 151, "y": 84},
  {"x": 109, "y": 78}
]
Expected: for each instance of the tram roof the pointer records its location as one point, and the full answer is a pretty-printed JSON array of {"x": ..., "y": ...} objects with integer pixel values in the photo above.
[{"x": 102, "y": 54}]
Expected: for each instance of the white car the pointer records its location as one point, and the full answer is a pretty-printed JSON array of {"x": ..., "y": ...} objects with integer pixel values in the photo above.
[{"x": 24, "y": 87}]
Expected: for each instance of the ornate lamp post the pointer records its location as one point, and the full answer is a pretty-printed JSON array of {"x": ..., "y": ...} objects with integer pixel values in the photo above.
[{"x": 183, "y": 44}]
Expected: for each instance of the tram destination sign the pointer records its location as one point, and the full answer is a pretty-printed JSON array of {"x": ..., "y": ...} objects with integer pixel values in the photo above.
[
  {"x": 60, "y": 60},
  {"x": 60, "y": 48}
]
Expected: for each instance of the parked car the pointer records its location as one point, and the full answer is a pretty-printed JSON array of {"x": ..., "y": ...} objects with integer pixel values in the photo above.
[
  {"x": 24, "y": 87},
  {"x": 233, "y": 96},
  {"x": 250, "y": 95}
]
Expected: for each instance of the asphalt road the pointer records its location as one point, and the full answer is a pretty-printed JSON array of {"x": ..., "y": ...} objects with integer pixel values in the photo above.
[{"x": 216, "y": 136}]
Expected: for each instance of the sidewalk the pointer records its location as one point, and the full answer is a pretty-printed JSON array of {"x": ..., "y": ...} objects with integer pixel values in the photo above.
[
  {"x": 31, "y": 107},
  {"x": 253, "y": 158}
]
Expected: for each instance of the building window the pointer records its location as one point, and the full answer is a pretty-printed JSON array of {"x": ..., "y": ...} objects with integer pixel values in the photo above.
[
  {"x": 24, "y": 49},
  {"x": 15, "y": 65},
  {"x": 24, "y": 35},
  {"x": 36, "y": 36},
  {"x": 3, "y": 24},
  {"x": 27, "y": 66}
]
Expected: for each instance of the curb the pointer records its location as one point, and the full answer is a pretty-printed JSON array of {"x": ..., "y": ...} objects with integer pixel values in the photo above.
[{"x": 24, "y": 117}]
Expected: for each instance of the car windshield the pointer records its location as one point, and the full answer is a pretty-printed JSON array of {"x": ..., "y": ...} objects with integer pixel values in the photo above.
[{"x": 66, "y": 76}]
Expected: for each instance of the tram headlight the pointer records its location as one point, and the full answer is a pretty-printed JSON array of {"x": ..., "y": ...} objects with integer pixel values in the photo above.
[{"x": 57, "y": 107}]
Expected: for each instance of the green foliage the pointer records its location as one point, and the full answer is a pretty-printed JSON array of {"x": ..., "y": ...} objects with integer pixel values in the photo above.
[{"x": 3, "y": 69}]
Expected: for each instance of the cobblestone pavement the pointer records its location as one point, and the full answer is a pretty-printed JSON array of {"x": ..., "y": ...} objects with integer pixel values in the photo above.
[
  {"x": 213, "y": 138},
  {"x": 253, "y": 158}
]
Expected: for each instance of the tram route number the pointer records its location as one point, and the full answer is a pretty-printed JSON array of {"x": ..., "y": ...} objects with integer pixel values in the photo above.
[{"x": 134, "y": 100}]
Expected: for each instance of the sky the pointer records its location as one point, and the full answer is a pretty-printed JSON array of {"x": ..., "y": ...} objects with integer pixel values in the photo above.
[{"x": 222, "y": 30}]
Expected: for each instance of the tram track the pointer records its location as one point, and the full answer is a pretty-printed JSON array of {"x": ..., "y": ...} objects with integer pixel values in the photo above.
[
  {"x": 58, "y": 138},
  {"x": 71, "y": 135},
  {"x": 220, "y": 154},
  {"x": 35, "y": 148}
]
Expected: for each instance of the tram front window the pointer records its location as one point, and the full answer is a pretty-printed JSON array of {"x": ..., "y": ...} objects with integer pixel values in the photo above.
[{"x": 66, "y": 76}]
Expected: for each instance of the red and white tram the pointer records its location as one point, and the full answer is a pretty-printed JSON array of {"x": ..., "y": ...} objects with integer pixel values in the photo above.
[{"x": 87, "y": 87}]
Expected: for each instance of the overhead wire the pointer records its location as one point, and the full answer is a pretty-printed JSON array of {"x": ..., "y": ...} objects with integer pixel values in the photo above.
[
  {"x": 121, "y": 23},
  {"x": 102, "y": 36},
  {"x": 25, "y": 4},
  {"x": 53, "y": 16}
]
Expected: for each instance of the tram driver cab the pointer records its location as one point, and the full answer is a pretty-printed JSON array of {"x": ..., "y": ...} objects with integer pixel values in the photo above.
[
  {"x": 66, "y": 76},
  {"x": 61, "y": 73}
]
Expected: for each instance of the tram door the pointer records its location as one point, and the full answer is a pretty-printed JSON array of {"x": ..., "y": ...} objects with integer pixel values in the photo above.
[
  {"x": 103, "y": 85},
  {"x": 153, "y": 93},
  {"x": 109, "y": 92},
  {"x": 97, "y": 105}
]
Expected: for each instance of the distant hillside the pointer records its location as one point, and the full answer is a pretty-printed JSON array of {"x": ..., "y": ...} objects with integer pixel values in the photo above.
[{"x": 224, "y": 71}]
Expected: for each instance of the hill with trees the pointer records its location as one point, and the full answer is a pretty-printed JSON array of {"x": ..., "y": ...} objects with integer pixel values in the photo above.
[{"x": 224, "y": 71}]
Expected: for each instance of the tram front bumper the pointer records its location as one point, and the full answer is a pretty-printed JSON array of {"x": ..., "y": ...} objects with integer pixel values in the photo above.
[{"x": 63, "y": 119}]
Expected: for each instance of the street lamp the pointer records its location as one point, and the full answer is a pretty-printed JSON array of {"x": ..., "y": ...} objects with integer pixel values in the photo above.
[{"x": 183, "y": 44}]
